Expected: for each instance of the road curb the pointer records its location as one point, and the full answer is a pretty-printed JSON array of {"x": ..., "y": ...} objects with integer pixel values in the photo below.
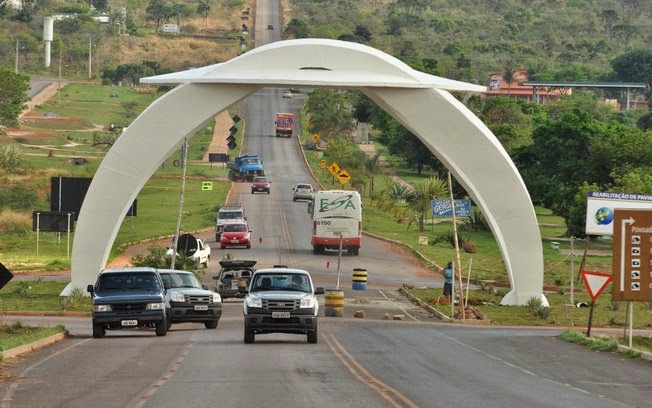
[
  {"x": 38, "y": 344},
  {"x": 643, "y": 354}
]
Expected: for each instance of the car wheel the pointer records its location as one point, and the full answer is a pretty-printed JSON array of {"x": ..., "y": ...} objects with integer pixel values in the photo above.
[
  {"x": 98, "y": 330},
  {"x": 249, "y": 246},
  {"x": 268, "y": 191},
  {"x": 252, "y": 191},
  {"x": 222, "y": 247},
  {"x": 249, "y": 335},
  {"x": 313, "y": 335},
  {"x": 211, "y": 324},
  {"x": 217, "y": 237},
  {"x": 294, "y": 199},
  {"x": 162, "y": 328}
]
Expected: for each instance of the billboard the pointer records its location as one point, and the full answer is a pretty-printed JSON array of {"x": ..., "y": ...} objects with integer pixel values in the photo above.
[
  {"x": 600, "y": 209},
  {"x": 48, "y": 221},
  {"x": 67, "y": 195},
  {"x": 442, "y": 208}
]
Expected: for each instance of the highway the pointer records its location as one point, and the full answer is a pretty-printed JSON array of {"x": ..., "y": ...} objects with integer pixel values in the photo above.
[{"x": 417, "y": 361}]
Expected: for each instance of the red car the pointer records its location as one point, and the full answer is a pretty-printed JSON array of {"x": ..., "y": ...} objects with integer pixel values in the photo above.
[
  {"x": 261, "y": 184},
  {"x": 235, "y": 234}
]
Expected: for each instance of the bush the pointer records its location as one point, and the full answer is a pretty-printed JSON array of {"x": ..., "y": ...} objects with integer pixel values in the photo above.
[
  {"x": 12, "y": 222},
  {"x": 11, "y": 157},
  {"x": 18, "y": 197}
]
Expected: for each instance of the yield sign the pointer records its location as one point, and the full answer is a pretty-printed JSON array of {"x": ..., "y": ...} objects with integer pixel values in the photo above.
[{"x": 595, "y": 282}]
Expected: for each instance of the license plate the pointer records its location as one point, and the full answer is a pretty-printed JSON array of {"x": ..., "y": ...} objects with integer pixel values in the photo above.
[
  {"x": 130, "y": 322},
  {"x": 201, "y": 307},
  {"x": 281, "y": 315},
  {"x": 234, "y": 241}
]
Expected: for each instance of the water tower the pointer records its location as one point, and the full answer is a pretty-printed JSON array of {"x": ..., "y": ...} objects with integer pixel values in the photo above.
[{"x": 48, "y": 36}]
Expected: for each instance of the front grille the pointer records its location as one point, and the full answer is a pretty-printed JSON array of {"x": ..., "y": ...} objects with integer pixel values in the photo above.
[
  {"x": 198, "y": 299},
  {"x": 281, "y": 305},
  {"x": 129, "y": 307}
]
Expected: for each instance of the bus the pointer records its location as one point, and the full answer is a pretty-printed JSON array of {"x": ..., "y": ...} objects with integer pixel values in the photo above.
[{"x": 336, "y": 221}]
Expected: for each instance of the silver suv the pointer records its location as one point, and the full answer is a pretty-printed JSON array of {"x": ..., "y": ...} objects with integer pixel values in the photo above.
[
  {"x": 281, "y": 300},
  {"x": 228, "y": 213}
]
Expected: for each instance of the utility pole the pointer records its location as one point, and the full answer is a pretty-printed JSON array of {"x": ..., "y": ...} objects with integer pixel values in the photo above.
[
  {"x": 90, "y": 47},
  {"x": 16, "y": 65},
  {"x": 184, "y": 156}
]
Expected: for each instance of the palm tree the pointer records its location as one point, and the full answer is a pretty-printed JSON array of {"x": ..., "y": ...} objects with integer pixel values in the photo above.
[
  {"x": 425, "y": 191},
  {"x": 372, "y": 166}
]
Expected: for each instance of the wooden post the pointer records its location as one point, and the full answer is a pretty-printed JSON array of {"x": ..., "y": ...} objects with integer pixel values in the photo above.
[{"x": 458, "y": 263}]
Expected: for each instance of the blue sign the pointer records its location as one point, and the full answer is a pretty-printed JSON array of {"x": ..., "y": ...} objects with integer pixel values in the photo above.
[{"x": 442, "y": 208}]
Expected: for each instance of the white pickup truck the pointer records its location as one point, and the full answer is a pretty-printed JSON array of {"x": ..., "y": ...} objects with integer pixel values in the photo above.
[{"x": 194, "y": 248}]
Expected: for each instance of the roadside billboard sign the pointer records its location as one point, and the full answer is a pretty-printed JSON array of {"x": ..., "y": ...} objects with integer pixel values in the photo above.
[
  {"x": 442, "y": 208},
  {"x": 600, "y": 209}
]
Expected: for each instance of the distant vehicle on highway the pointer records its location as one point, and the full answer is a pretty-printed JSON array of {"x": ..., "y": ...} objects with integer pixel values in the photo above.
[
  {"x": 260, "y": 184},
  {"x": 302, "y": 191},
  {"x": 286, "y": 94},
  {"x": 270, "y": 26},
  {"x": 235, "y": 234},
  {"x": 233, "y": 279}
]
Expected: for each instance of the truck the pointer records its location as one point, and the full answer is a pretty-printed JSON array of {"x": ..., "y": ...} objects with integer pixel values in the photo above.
[
  {"x": 128, "y": 298},
  {"x": 336, "y": 217},
  {"x": 284, "y": 124},
  {"x": 281, "y": 300},
  {"x": 244, "y": 168},
  {"x": 193, "y": 248},
  {"x": 228, "y": 213}
]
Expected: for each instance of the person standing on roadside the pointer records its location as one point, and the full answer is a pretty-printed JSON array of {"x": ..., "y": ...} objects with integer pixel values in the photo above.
[{"x": 448, "y": 281}]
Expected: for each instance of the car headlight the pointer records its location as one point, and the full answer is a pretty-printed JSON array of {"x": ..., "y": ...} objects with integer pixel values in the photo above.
[
  {"x": 217, "y": 298},
  {"x": 254, "y": 301},
  {"x": 102, "y": 308},
  {"x": 307, "y": 302},
  {"x": 156, "y": 306},
  {"x": 177, "y": 297}
]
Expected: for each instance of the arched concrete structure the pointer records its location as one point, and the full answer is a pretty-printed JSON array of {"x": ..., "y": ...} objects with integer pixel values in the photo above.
[{"x": 421, "y": 102}]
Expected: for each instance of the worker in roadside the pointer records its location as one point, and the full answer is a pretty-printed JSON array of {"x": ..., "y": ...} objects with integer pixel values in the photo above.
[{"x": 448, "y": 280}]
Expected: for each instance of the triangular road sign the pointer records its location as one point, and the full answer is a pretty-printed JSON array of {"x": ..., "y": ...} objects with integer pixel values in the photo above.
[
  {"x": 595, "y": 282},
  {"x": 5, "y": 276}
]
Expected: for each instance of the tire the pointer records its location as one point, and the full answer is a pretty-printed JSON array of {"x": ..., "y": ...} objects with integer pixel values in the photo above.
[
  {"x": 211, "y": 324},
  {"x": 252, "y": 191},
  {"x": 249, "y": 335},
  {"x": 315, "y": 250},
  {"x": 268, "y": 191},
  {"x": 222, "y": 247},
  {"x": 217, "y": 237},
  {"x": 231, "y": 175},
  {"x": 169, "y": 322},
  {"x": 162, "y": 328},
  {"x": 313, "y": 335},
  {"x": 294, "y": 199},
  {"x": 98, "y": 331},
  {"x": 249, "y": 246},
  {"x": 350, "y": 251}
]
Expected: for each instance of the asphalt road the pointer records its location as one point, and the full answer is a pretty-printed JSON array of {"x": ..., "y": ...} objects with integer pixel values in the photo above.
[{"x": 370, "y": 362}]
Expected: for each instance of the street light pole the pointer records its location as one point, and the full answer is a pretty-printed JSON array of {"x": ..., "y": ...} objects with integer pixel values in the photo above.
[
  {"x": 90, "y": 47},
  {"x": 16, "y": 65}
]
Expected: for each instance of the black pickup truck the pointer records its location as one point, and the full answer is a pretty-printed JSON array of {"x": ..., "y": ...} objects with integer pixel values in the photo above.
[{"x": 125, "y": 298}]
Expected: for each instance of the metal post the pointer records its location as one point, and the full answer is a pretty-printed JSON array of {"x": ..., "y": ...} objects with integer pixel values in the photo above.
[
  {"x": 458, "y": 264},
  {"x": 16, "y": 64},
  {"x": 572, "y": 272},
  {"x": 339, "y": 258},
  {"x": 90, "y": 47},
  {"x": 184, "y": 149},
  {"x": 38, "y": 229},
  {"x": 631, "y": 321},
  {"x": 68, "y": 238}
]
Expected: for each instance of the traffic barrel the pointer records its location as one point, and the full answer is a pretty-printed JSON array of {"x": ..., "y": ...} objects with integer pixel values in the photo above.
[
  {"x": 334, "y": 302},
  {"x": 359, "y": 279}
]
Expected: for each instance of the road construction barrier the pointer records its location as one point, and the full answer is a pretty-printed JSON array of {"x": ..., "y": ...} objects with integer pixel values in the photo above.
[
  {"x": 359, "y": 279},
  {"x": 334, "y": 302}
]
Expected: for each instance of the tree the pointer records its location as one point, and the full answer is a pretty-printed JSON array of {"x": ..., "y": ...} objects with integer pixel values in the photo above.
[
  {"x": 425, "y": 191},
  {"x": 158, "y": 11},
  {"x": 297, "y": 28},
  {"x": 13, "y": 96},
  {"x": 203, "y": 8},
  {"x": 635, "y": 66}
]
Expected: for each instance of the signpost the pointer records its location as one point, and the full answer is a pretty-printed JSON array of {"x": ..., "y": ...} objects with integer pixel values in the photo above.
[
  {"x": 442, "y": 208},
  {"x": 632, "y": 259},
  {"x": 343, "y": 177},
  {"x": 595, "y": 283}
]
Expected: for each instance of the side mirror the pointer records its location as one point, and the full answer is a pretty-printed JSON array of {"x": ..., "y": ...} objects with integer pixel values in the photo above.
[
  {"x": 90, "y": 289},
  {"x": 319, "y": 290},
  {"x": 166, "y": 285},
  {"x": 205, "y": 287}
]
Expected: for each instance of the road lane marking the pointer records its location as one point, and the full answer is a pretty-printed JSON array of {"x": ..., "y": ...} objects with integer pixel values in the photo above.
[
  {"x": 390, "y": 394},
  {"x": 397, "y": 304}
]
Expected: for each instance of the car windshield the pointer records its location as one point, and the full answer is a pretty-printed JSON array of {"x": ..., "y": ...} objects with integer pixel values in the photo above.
[
  {"x": 281, "y": 281},
  {"x": 181, "y": 280},
  {"x": 304, "y": 187},
  {"x": 259, "y": 179},
  {"x": 128, "y": 282},
  {"x": 230, "y": 215},
  {"x": 235, "y": 228}
]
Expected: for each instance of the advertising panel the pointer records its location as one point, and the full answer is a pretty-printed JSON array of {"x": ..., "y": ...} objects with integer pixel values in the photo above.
[{"x": 600, "y": 209}]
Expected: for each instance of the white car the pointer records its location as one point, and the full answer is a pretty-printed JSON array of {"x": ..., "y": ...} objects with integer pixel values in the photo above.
[
  {"x": 302, "y": 191},
  {"x": 286, "y": 94}
]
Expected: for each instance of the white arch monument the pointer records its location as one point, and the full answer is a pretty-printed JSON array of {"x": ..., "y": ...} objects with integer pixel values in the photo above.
[{"x": 421, "y": 102}]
